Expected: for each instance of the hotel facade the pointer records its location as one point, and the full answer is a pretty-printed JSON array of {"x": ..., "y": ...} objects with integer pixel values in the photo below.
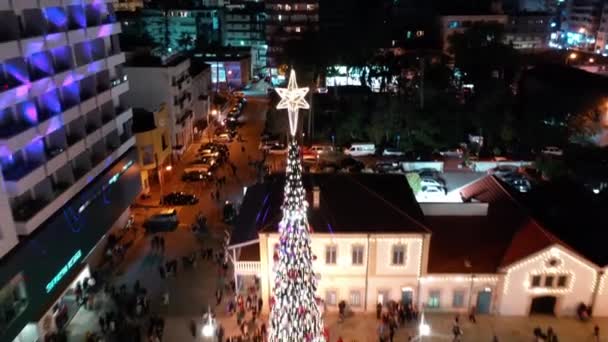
[{"x": 69, "y": 172}]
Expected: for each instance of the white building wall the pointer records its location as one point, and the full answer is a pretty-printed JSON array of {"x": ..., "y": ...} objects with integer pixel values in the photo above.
[
  {"x": 449, "y": 285},
  {"x": 600, "y": 307},
  {"x": 8, "y": 233},
  {"x": 517, "y": 294}
]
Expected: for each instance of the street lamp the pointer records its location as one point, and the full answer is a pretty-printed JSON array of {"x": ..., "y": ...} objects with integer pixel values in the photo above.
[
  {"x": 424, "y": 329},
  {"x": 572, "y": 56},
  {"x": 168, "y": 168},
  {"x": 209, "y": 326},
  {"x": 213, "y": 113}
]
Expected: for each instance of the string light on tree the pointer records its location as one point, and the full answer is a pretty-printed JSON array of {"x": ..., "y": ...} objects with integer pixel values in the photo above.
[{"x": 294, "y": 315}]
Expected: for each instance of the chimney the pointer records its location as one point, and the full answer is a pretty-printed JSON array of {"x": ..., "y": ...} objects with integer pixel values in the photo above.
[{"x": 316, "y": 197}]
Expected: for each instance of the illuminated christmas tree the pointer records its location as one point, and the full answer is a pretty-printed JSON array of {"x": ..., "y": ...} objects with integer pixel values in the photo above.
[{"x": 294, "y": 315}]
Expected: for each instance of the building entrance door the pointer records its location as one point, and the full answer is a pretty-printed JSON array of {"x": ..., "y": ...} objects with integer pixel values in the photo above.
[
  {"x": 406, "y": 296},
  {"x": 544, "y": 305},
  {"x": 484, "y": 300}
]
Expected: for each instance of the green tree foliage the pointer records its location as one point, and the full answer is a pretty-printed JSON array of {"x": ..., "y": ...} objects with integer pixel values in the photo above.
[
  {"x": 584, "y": 128},
  {"x": 414, "y": 181}
]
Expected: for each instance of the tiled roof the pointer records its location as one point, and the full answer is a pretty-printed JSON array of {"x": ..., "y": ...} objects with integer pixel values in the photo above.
[
  {"x": 351, "y": 203},
  {"x": 506, "y": 235}
]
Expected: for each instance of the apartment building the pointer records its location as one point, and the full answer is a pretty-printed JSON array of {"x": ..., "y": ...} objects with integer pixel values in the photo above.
[
  {"x": 158, "y": 80},
  {"x": 68, "y": 166},
  {"x": 373, "y": 243},
  {"x": 288, "y": 20},
  {"x": 450, "y": 24},
  {"x": 246, "y": 26},
  {"x": 182, "y": 29},
  {"x": 153, "y": 143}
]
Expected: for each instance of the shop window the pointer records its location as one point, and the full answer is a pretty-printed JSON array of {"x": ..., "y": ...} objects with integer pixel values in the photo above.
[
  {"x": 535, "y": 281},
  {"x": 13, "y": 301},
  {"x": 434, "y": 297},
  {"x": 458, "y": 299},
  {"x": 355, "y": 298},
  {"x": 331, "y": 298}
]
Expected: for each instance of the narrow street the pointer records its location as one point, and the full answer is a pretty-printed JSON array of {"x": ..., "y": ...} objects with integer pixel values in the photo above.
[{"x": 192, "y": 290}]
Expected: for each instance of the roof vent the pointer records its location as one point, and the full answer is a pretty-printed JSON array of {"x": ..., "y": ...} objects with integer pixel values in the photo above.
[{"x": 316, "y": 197}]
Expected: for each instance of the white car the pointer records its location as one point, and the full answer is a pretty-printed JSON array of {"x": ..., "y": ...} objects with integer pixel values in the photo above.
[
  {"x": 552, "y": 150},
  {"x": 267, "y": 145},
  {"x": 223, "y": 137},
  {"x": 432, "y": 190},
  {"x": 392, "y": 152},
  {"x": 430, "y": 182}
]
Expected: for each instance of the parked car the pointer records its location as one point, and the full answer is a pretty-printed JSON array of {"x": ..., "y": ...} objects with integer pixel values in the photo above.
[
  {"x": 391, "y": 151},
  {"x": 223, "y": 137},
  {"x": 196, "y": 176},
  {"x": 180, "y": 198},
  {"x": 387, "y": 167},
  {"x": 268, "y": 144},
  {"x": 321, "y": 149},
  {"x": 426, "y": 181},
  {"x": 351, "y": 165},
  {"x": 552, "y": 150},
  {"x": 518, "y": 182},
  {"x": 502, "y": 170},
  {"x": 429, "y": 173},
  {"x": 428, "y": 190},
  {"x": 361, "y": 149},
  {"x": 166, "y": 220},
  {"x": 278, "y": 149},
  {"x": 452, "y": 152}
]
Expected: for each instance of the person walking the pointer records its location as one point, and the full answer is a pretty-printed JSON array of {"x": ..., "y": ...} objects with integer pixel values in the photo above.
[
  {"x": 193, "y": 328},
  {"x": 472, "y": 318},
  {"x": 596, "y": 333},
  {"x": 218, "y": 296}
]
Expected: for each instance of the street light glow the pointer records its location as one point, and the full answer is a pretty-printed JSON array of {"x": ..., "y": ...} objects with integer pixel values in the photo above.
[
  {"x": 169, "y": 168},
  {"x": 208, "y": 330},
  {"x": 214, "y": 112},
  {"x": 425, "y": 329},
  {"x": 573, "y": 56}
]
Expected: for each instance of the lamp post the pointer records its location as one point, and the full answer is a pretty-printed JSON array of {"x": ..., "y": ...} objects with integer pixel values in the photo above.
[
  {"x": 572, "y": 56},
  {"x": 424, "y": 329},
  {"x": 209, "y": 325},
  {"x": 213, "y": 113}
]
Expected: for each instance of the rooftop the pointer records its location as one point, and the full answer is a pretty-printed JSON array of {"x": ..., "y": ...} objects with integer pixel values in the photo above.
[
  {"x": 150, "y": 61},
  {"x": 143, "y": 120},
  {"x": 349, "y": 203}
]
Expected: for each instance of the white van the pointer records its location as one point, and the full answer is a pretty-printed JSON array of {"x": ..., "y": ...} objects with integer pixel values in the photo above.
[
  {"x": 361, "y": 149},
  {"x": 321, "y": 149},
  {"x": 199, "y": 168}
]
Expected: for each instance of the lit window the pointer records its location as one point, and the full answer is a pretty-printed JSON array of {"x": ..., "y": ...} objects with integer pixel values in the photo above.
[
  {"x": 355, "y": 298},
  {"x": 331, "y": 297},
  {"x": 419, "y": 33},
  {"x": 287, "y": 8},
  {"x": 280, "y": 17},
  {"x": 453, "y": 24},
  {"x": 458, "y": 299},
  {"x": 357, "y": 257},
  {"x": 310, "y": 7},
  {"x": 330, "y": 254},
  {"x": 434, "y": 297},
  {"x": 298, "y": 29},
  {"x": 398, "y": 255}
]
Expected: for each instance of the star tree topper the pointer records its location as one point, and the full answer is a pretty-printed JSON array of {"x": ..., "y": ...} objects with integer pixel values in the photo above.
[{"x": 292, "y": 99}]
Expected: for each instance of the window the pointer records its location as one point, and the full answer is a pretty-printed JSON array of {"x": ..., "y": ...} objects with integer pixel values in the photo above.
[
  {"x": 549, "y": 281},
  {"x": 562, "y": 281},
  {"x": 458, "y": 299},
  {"x": 357, "y": 257},
  {"x": 331, "y": 298},
  {"x": 453, "y": 24},
  {"x": 398, "y": 255},
  {"x": 535, "y": 281},
  {"x": 330, "y": 255},
  {"x": 355, "y": 298},
  {"x": 298, "y": 29},
  {"x": 13, "y": 301},
  {"x": 434, "y": 299}
]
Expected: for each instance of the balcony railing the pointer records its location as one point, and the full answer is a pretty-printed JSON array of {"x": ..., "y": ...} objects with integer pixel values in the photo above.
[
  {"x": 26, "y": 210},
  {"x": 247, "y": 267},
  {"x": 60, "y": 187},
  {"x": 19, "y": 170},
  {"x": 80, "y": 171},
  {"x": 105, "y": 118},
  {"x": 92, "y": 127},
  {"x": 53, "y": 151}
]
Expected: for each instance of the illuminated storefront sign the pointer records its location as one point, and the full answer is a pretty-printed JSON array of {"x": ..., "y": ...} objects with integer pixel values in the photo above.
[{"x": 64, "y": 270}]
